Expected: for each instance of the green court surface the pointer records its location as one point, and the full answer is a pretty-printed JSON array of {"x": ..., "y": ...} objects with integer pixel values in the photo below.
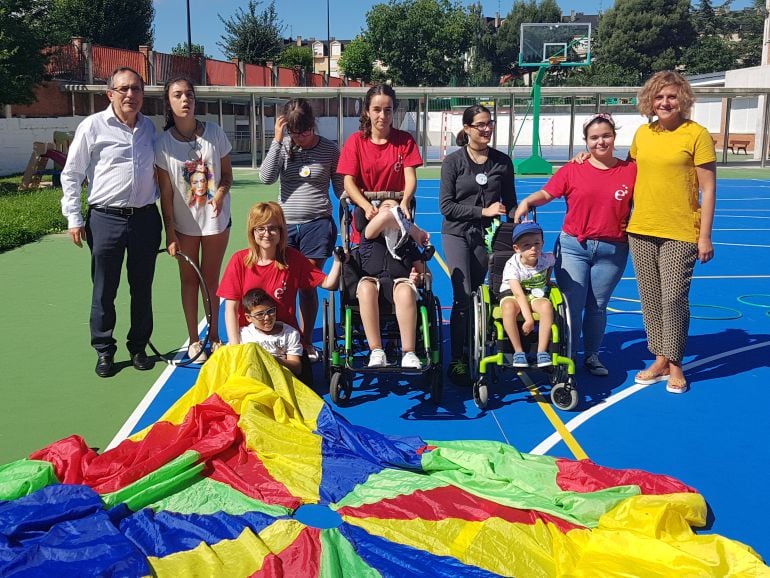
[{"x": 49, "y": 386}]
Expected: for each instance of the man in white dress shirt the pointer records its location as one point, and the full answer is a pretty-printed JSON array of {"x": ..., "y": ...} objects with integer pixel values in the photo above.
[{"x": 114, "y": 150}]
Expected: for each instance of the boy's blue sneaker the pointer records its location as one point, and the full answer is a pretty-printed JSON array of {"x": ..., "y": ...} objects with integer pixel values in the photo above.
[
  {"x": 520, "y": 359},
  {"x": 544, "y": 359}
]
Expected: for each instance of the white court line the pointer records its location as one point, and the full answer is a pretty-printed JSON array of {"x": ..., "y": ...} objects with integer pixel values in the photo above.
[
  {"x": 150, "y": 396},
  {"x": 548, "y": 443},
  {"x": 742, "y": 245}
]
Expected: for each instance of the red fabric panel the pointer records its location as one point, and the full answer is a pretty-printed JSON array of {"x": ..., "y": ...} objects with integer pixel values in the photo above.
[
  {"x": 209, "y": 428},
  {"x": 70, "y": 458},
  {"x": 242, "y": 469},
  {"x": 586, "y": 476},
  {"x": 301, "y": 558},
  {"x": 450, "y": 502}
]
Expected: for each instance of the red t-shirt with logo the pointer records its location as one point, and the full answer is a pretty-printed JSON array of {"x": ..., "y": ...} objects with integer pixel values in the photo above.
[
  {"x": 378, "y": 167},
  {"x": 280, "y": 284},
  {"x": 598, "y": 201}
]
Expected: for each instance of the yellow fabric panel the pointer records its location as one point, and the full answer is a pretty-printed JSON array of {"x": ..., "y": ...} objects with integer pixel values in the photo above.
[
  {"x": 647, "y": 536},
  {"x": 510, "y": 549},
  {"x": 240, "y": 557},
  {"x": 278, "y": 413},
  {"x": 666, "y": 200}
]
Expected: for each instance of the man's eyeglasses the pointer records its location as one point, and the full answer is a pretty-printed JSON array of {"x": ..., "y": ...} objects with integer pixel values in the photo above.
[
  {"x": 483, "y": 125},
  {"x": 125, "y": 89},
  {"x": 267, "y": 230},
  {"x": 300, "y": 132},
  {"x": 260, "y": 315}
]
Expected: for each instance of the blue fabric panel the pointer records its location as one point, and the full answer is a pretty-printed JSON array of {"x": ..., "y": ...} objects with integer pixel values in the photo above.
[
  {"x": 352, "y": 453},
  {"x": 62, "y": 530},
  {"x": 163, "y": 533},
  {"x": 397, "y": 560}
]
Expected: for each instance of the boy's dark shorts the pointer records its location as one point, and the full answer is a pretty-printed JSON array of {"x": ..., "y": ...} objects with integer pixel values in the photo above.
[{"x": 314, "y": 239}]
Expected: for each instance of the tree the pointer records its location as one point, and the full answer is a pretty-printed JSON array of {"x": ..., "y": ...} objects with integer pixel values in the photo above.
[
  {"x": 483, "y": 49},
  {"x": 357, "y": 60},
  {"x": 639, "y": 37},
  {"x": 297, "y": 57},
  {"x": 421, "y": 42},
  {"x": 107, "y": 22},
  {"x": 712, "y": 50},
  {"x": 747, "y": 24},
  {"x": 21, "y": 44},
  {"x": 252, "y": 37},
  {"x": 181, "y": 49}
]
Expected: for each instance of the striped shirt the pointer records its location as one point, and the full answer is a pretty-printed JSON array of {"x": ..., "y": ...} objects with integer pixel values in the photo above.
[
  {"x": 304, "y": 188},
  {"x": 117, "y": 161}
]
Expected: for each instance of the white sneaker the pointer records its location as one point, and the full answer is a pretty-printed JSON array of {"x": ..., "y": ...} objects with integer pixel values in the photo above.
[
  {"x": 377, "y": 358},
  {"x": 411, "y": 360},
  {"x": 194, "y": 349}
]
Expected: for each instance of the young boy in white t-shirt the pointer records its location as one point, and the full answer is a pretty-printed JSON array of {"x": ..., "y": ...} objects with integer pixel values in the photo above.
[
  {"x": 282, "y": 341},
  {"x": 525, "y": 289}
]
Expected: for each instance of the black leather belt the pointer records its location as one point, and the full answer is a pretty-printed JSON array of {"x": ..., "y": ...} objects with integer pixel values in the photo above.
[{"x": 121, "y": 211}]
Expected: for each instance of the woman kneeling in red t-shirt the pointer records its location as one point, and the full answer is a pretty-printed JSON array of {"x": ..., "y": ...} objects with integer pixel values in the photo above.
[{"x": 270, "y": 265}]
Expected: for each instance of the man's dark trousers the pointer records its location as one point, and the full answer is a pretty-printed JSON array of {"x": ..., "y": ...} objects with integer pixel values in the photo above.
[{"x": 110, "y": 237}]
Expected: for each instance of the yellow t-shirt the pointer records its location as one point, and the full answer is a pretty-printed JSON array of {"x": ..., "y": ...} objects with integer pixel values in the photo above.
[{"x": 666, "y": 199}]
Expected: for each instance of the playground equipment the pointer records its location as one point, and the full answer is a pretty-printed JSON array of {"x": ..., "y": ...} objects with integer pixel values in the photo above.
[
  {"x": 544, "y": 46},
  {"x": 41, "y": 154}
]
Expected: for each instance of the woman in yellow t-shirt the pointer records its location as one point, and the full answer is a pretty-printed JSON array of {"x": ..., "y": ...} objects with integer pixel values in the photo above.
[{"x": 671, "y": 226}]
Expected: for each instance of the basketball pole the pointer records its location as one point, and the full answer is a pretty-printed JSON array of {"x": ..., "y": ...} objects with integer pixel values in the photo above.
[{"x": 535, "y": 164}]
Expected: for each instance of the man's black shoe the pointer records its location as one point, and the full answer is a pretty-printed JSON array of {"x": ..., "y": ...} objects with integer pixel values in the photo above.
[
  {"x": 141, "y": 361},
  {"x": 105, "y": 365}
]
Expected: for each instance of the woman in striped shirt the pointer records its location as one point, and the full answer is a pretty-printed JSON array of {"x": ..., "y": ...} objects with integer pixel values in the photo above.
[{"x": 306, "y": 164}]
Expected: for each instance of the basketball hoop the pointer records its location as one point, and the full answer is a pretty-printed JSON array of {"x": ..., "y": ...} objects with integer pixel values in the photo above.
[{"x": 556, "y": 60}]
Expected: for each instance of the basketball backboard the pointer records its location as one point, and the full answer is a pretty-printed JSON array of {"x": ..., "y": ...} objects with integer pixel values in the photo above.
[{"x": 555, "y": 43}]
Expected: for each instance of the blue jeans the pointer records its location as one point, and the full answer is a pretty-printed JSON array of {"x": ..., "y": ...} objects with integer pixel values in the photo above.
[{"x": 587, "y": 273}]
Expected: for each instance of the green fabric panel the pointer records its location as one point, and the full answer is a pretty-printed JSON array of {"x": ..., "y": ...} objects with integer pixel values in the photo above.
[
  {"x": 339, "y": 559},
  {"x": 164, "y": 481},
  {"x": 22, "y": 477},
  {"x": 387, "y": 484},
  {"x": 207, "y": 496},
  {"x": 500, "y": 473}
]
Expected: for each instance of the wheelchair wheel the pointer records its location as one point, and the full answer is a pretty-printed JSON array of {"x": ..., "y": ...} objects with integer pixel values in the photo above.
[
  {"x": 564, "y": 395},
  {"x": 329, "y": 334},
  {"x": 436, "y": 383},
  {"x": 480, "y": 392},
  {"x": 436, "y": 376},
  {"x": 477, "y": 327},
  {"x": 340, "y": 388}
]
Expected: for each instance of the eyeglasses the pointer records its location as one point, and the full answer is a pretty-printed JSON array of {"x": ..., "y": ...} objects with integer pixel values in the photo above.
[
  {"x": 125, "y": 89},
  {"x": 267, "y": 230},
  {"x": 600, "y": 115},
  {"x": 259, "y": 315},
  {"x": 301, "y": 132},
  {"x": 483, "y": 125}
]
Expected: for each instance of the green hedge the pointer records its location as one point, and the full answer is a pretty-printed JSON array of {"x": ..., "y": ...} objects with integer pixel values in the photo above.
[{"x": 26, "y": 216}]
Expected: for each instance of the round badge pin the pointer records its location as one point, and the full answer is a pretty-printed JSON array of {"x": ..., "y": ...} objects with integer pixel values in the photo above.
[
  {"x": 538, "y": 292},
  {"x": 481, "y": 179},
  {"x": 304, "y": 171}
]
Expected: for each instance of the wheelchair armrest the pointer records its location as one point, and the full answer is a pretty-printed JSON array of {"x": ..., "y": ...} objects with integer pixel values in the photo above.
[{"x": 382, "y": 195}]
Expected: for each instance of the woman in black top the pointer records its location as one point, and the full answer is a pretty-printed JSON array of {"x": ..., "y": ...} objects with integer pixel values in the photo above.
[{"x": 476, "y": 186}]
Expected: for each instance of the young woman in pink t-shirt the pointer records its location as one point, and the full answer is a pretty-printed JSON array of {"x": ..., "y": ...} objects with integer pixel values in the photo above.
[{"x": 592, "y": 249}]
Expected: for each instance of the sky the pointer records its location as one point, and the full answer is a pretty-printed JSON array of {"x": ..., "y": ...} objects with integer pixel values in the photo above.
[{"x": 306, "y": 18}]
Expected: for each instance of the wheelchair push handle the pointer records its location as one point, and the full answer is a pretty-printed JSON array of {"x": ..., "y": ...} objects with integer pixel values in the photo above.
[{"x": 428, "y": 251}]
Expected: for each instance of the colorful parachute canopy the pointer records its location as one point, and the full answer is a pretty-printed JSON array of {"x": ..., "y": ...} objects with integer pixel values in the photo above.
[{"x": 251, "y": 474}]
